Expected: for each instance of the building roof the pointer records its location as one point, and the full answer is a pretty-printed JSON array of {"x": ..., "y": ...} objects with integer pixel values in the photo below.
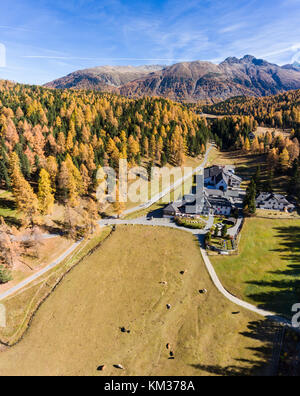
[
  {"x": 214, "y": 198},
  {"x": 237, "y": 178},
  {"x": 212, "y": 171},
  {"x": 218, "y": 201},
  {"x": 221, "y": 173},
  {"x": 265, "y": 197},
  {"x": 172, "y": 207}
]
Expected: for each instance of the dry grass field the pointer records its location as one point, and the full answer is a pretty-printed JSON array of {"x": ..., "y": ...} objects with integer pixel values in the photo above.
[
  {"x": 21, "y": 306},
  {"x": 77, "y": 329}
]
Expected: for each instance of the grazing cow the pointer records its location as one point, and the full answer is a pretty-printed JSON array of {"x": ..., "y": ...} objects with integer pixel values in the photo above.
[
  {"x": 119, "y": 366},
  {"x": 101, "y": 368},
  {"x": 123, "y": 330},
  {"x": 168, "y": 306}
]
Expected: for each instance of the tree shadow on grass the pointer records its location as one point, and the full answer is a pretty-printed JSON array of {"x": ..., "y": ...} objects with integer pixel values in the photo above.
[
  {"x": 286, "y": 283},
  {"x": 263, "y": 331},
  {"x": 6, "y": 203},
  {"x": 10, "y": 206}
]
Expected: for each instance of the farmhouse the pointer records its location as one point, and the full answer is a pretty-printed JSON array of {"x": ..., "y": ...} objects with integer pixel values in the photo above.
[
  {"x": 270, "y": 201},
  {"x": 221, "y": 178}
]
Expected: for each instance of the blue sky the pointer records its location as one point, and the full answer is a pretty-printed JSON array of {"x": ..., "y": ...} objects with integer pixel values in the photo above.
[{"x": 45, "y": 40}]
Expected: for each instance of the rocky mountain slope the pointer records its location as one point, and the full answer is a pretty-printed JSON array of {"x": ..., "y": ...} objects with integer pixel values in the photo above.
[
  {"x": 189, "y": 81},
  {"x": 294, "y": 66},
  {"x": 103, "y": 78}
]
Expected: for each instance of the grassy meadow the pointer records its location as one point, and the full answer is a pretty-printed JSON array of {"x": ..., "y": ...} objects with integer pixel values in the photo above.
[{"x": 267, "y": 270}]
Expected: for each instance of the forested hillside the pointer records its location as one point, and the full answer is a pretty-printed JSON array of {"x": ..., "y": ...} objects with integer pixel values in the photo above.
[
  {"x": 53, "y": 142},
  {"x": 282, "y": 111},
  {"x": 280, "y": 150},
  {"x": 228, "y": 130}
]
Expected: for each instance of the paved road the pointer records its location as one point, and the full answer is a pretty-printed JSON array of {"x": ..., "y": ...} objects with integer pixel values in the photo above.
[
  {"x": 35, "y": 276},
  {"x": 172, "y": 187},
  {"x": 149, "y": 222},
  {"x": 234, "y": 230},
  {"x": 26, "y": 238},
  {"x": 210, "y": 223}
]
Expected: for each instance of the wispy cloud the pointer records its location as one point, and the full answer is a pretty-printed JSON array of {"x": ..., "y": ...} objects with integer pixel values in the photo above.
[
  {"x": 16, "y": 28},
  {"x": 232, "y": 28},
  {"x": 292, "y": 48}
]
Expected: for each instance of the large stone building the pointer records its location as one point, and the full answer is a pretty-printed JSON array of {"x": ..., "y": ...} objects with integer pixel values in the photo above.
[
  {"x": 209, "y": 202},
  {"x": 218, "y": 197}
]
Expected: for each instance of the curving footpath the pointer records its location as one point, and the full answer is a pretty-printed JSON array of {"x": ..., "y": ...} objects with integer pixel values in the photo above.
[{"x": 237, "y": 301}]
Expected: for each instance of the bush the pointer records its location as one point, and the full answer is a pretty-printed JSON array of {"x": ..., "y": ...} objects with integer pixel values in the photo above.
[
  {"x": 207, "y": 239},
  {"x": 224, "y": 231},
  {"x": 5, "y": 275},
  {"x": 189, "y": 224}
]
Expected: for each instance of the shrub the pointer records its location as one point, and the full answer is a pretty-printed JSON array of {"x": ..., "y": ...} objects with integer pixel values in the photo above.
[
  {"x": 224, "y": 231},
  {"x": 5, "y": 275},
  {"x": 207, "y": 239},
  {"x": 196, "y": 225}
]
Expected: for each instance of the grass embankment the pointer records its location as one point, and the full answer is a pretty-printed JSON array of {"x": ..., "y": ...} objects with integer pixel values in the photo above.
[
  {"x": 78, "y": 327},
  {"x": 267, "y": 270},
  {"x": 21, "y": 306}
]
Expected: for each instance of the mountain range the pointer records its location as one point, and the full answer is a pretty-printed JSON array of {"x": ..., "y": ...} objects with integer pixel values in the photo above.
[
  {"x": 294, "y": 66},
  {"x": 189, "y": 81}
]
